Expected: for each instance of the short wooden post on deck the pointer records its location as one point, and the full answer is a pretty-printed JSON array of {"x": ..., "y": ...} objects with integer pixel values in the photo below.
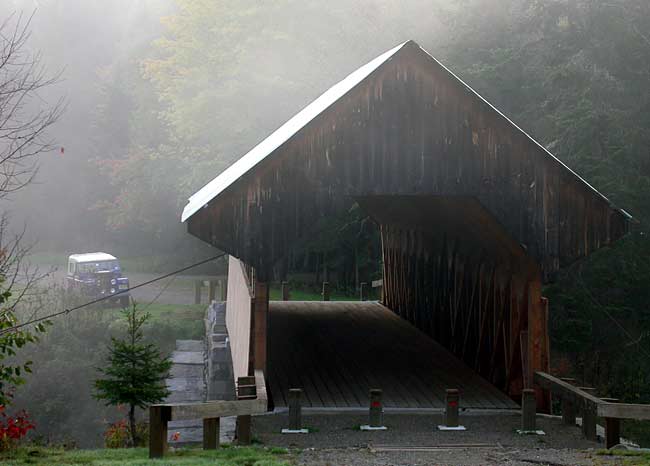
[
  {"x": 197, "y": 291},
  {"x": 212, "y": 291},
  {"x": 295, "y": 413},
  {"x": 376, "y": 411},
  {"x": 285, "y": 291},
  {"x": 612, "y": 432},
  {"x": 159, "y": 416},
  {"x": 451, "y": 407},
  {"x": 452, "y": 402},
  {"x": 528, "y": 411},
  {"x": 246, "y": 390},
  {"x": 326, "y": 291},
  {"x": 211, "y": 433},
  {"x": 363, "y": 291}
]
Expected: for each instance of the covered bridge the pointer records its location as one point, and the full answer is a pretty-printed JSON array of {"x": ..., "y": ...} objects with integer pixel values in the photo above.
[{"x": 474, "y": 216}]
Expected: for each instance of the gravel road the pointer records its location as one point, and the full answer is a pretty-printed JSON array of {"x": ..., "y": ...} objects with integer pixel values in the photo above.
[{"x": 414, "y": 440}]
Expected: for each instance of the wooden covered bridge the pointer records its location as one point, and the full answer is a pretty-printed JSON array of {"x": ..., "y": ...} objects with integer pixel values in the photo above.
[{"x": 474, "y": 216}]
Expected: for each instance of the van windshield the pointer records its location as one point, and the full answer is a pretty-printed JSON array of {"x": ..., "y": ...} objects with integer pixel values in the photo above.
[{"x": 94, "y": 267}]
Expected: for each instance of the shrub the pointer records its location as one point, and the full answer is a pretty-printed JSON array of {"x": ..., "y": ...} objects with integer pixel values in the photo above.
[
  {"x": 13, "y": 428},
  {"x": 118, "y": 435}
]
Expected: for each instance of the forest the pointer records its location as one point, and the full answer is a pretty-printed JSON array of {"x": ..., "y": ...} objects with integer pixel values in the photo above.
[{"x": 162, "y": 95}]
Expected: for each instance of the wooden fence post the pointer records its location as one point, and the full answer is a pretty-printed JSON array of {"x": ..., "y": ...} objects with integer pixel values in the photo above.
[
  {"x": 246, "y": 390},
  {"x": 568, "y": 407},
  {"x": 197, "y": 291},
  {"x": 326, "y": 291},
  {"x": 568, "y": 412},
  {"x": 285, "y": 291},
  {"x": 612, "y": 432},
  {"x": 363, "y": 290},
  {"x": 158, "y": 418},
  {"x": 589, "y": 421},
  {"x": 223, "y": 288},
  {"x": 244, "y": 430},
  {"x": 212, "y": 291},
  {"x": 211, "y": 433}
]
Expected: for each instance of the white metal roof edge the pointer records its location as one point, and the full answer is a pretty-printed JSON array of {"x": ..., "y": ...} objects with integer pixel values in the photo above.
[
  {"x": 211, "y": 190},
  {"x": 282, "y": 134},
  {"x": 92, "y": 257},
  {"x": 549, "y": 153}
]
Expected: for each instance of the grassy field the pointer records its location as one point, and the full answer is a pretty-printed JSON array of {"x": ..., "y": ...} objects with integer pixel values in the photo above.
[
  {"x": 169, "y": 322},
  {"x": 231, "y": 456}
]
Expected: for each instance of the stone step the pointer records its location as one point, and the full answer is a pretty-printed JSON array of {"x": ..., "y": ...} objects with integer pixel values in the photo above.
[
  {"x": 189, "y": 384},
  {"x": 190, "y": 345},
  {"x": 188, "y": 357},
  {"x": 186, "y": 370}
]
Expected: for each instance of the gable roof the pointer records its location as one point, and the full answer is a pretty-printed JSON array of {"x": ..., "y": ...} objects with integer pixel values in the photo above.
[{"x": 294, "y": 125}]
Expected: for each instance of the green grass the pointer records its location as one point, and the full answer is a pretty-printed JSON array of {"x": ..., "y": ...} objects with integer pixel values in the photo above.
[
  {"x": 170, "y": 321},
  {"x": 233, "y": 456},
  {"x": 631, "y": 457},
  {"x": 174, "y": 311}
]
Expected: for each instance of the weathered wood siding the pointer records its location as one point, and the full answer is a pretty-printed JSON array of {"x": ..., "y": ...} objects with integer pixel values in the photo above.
[
  {"x": 238, "y": 316},
  {"x": 410, "y": 128},
  {"x": 474, "y": 213}
]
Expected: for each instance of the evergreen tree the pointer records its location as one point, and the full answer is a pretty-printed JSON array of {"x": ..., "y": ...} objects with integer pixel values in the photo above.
[{"x": 136, "y": 371}]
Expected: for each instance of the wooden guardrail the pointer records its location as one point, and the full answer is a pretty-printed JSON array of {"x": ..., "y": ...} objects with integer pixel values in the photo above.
[
  {"x": 210, "y": 412},
  {"x": 579, "y": 399}
]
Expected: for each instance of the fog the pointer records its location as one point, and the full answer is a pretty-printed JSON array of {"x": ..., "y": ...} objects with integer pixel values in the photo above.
[
  {"x": 162, "y": 95},
  {"x": 267, "y": 61}
]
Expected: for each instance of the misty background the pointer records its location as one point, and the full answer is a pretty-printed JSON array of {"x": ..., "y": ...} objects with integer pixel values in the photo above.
[{"x": 162, "y": 95}]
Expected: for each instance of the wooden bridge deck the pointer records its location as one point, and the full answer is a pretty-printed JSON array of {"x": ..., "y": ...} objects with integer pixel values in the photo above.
[{"x": 337, "y": 351}]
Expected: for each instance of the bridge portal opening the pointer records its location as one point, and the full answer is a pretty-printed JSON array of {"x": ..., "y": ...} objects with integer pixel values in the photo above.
[{"x": 461, "y": 286}]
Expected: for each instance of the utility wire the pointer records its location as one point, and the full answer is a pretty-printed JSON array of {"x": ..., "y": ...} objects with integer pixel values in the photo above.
[
  {"x": 95, "y": 301},
  {"x": 162, "y": 290}
]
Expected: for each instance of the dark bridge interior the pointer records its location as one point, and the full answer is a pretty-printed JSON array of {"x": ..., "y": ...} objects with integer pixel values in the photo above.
[{"x": 337, "y": 351}]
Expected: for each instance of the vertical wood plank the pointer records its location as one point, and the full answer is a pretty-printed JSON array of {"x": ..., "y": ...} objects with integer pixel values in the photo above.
[{"x": 260, "y": 325}]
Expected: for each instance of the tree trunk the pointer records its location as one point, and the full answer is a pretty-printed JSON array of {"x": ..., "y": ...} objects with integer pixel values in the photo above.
[{"x": 132, "y": 426}]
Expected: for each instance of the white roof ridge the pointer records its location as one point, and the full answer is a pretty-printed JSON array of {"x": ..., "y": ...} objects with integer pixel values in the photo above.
[{"x": 281, "y": 135}]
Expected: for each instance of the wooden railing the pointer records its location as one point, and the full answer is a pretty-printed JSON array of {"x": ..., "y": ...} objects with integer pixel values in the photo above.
[
  {"x": 254, "y": 401},
  {"x": 579, "y": 400}
]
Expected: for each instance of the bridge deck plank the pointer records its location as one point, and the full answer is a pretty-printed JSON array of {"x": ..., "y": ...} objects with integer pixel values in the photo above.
[{"x": 337, "y": 351}]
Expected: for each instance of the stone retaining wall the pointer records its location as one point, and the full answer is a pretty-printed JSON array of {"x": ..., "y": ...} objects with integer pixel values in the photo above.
[{"x": 219, "y": 377}]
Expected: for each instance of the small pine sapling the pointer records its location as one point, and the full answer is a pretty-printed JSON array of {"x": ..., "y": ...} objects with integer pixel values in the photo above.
[{"x": 136, "y": 372}]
